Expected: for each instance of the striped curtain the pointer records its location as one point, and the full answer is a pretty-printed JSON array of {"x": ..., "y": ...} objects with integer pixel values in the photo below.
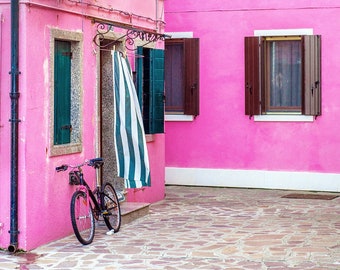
[{"x": 130, "y": 144}]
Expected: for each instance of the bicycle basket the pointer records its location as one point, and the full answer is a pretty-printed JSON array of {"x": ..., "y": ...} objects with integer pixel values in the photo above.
[{"x": 74, "y": 178}]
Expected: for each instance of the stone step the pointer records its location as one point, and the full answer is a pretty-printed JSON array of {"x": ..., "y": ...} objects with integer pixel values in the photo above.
[{"x": 133, "y": 210}]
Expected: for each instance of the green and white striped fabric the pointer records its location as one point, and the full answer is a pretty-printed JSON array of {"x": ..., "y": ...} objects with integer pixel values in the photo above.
[{"x": 130, "y": 144}]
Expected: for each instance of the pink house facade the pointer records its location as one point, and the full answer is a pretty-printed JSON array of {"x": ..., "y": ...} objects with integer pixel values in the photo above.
[
  {"x": 224, "y": 146},
  {"x": 43, "y": 196},
  {"x": 221, "y": 144}
]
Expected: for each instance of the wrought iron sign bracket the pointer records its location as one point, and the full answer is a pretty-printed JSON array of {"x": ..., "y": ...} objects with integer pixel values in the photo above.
[{"x": 132, "y": 33}]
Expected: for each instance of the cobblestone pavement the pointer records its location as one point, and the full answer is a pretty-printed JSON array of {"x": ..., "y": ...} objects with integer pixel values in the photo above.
[{"x": 206, "y": 228}]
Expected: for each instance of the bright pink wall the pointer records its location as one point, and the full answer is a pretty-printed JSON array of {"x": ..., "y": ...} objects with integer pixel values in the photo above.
[
  {"x": 222, "y": 136},
  {"x": 44, "y": 195}
]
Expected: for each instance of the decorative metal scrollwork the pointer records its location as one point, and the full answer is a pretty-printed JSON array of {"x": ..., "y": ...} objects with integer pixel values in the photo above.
[{"x": 129, "y": 38}]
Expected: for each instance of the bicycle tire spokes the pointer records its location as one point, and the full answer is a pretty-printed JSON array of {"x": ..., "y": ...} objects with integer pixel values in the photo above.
[
  {"x": 82, "y": 218},
  {"x": 111, "y": 208}
]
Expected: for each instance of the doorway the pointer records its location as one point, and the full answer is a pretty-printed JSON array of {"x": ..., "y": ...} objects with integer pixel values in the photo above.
[{"x": 107, "y": 147}]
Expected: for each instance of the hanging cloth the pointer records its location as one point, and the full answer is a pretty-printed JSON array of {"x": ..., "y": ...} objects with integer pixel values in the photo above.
[{"x": 130, "y": 144}]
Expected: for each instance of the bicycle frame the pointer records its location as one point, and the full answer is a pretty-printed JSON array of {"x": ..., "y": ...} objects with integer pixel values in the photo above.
[{"x": 84, "y": 187}]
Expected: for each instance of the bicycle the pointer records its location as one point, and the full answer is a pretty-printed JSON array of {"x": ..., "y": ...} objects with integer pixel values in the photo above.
[{"x": 87, "y": 205}]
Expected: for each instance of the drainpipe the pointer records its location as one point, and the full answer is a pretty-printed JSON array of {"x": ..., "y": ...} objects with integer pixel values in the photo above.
[
  {"x": 156, "y": 2},
  {"x": 14, "y": 95}
]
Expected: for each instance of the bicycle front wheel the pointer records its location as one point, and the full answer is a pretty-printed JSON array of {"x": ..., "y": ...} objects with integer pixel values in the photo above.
[
  {"x": 111, "y": 208},
  {"x": 82, "y": 218}
]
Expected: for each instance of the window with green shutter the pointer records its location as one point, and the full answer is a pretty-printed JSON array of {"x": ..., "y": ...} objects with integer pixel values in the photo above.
[
  {"x": 66, "y": 92},
  {"x": 150, "y": 88},
  {"x": 62, "y": 92}
]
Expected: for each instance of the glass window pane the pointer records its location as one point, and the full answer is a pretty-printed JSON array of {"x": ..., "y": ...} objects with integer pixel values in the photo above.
[
  {"x": 174, "y": 74},
  {"x": 285, "y": 74}
]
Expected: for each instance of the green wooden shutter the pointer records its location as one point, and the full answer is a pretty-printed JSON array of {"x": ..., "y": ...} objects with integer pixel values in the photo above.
[
  {"x": 139, "y": 75},
  {"x": 252, "y": 75},
  {"x": 153, "y": 90},
  {"x": 157, "y": 91},
  {"x": 62, "y": 92},
  {"x": 146, "y": 90},
  {"x": 312, "y": 75}
]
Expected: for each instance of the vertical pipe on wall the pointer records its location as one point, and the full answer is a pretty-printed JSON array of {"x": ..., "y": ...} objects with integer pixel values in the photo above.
[
  {"x": 14, "y": 95},
  {"x": 156, "y": 19}
]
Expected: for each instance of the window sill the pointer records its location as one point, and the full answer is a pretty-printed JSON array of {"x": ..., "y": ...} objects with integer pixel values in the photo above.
[
  {"x": 65, "y": 149},
  {"x": 149, "y": 138},
  {"x": 283, "y": 118},
  {"x": 179, "y": 117}
]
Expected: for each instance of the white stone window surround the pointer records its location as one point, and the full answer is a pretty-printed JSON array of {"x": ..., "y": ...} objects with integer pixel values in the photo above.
[{"x": 283, "y": 117}]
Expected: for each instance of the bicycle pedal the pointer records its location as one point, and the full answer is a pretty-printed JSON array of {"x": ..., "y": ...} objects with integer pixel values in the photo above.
[{"x": 105, "y": 212}]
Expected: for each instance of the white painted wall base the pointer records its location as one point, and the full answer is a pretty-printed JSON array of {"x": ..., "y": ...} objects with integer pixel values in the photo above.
[{"x": 253, "y": 179}]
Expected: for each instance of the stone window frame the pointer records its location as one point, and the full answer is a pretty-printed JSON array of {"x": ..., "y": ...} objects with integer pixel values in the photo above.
[{"x": 76, "y": 39}]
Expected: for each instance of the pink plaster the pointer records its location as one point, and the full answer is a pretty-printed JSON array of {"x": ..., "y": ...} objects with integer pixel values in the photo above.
[
  {"x": 222, "y": 136},
  {"x": 44, "y": 195}
]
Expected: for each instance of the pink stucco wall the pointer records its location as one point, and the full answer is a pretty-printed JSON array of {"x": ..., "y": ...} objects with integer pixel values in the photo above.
[
  {"x": 44, "y": 195},
  {"x": 222, "y": 136}
]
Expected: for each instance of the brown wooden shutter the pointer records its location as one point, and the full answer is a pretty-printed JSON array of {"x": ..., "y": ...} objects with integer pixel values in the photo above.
[
  {"x": 252, "y": 75},
  {"x": 311, "y": 75},
  {"x": 191, "y": 69}
]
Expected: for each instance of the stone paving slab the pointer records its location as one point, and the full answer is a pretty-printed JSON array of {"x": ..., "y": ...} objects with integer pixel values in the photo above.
[{"x": 206, "y": 228}]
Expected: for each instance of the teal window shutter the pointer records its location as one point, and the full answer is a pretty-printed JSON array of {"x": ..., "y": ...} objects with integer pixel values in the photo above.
[
  {"x": 150, "y": 88},
  {"x": 157, "y": 91},
  {"x": 139, "y": 74},
  {"x": 62, "y": 92}
]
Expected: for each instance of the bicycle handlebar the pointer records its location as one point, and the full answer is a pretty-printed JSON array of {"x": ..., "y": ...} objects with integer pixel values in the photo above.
[
  {"x": 61, "y": 168},
  {"x": 95, "y": 162}
]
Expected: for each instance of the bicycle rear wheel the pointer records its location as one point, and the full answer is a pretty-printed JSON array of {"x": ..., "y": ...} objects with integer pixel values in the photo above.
[
  {"x": 82, "y": 218},
  {"x": 111, "y": 208}
]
